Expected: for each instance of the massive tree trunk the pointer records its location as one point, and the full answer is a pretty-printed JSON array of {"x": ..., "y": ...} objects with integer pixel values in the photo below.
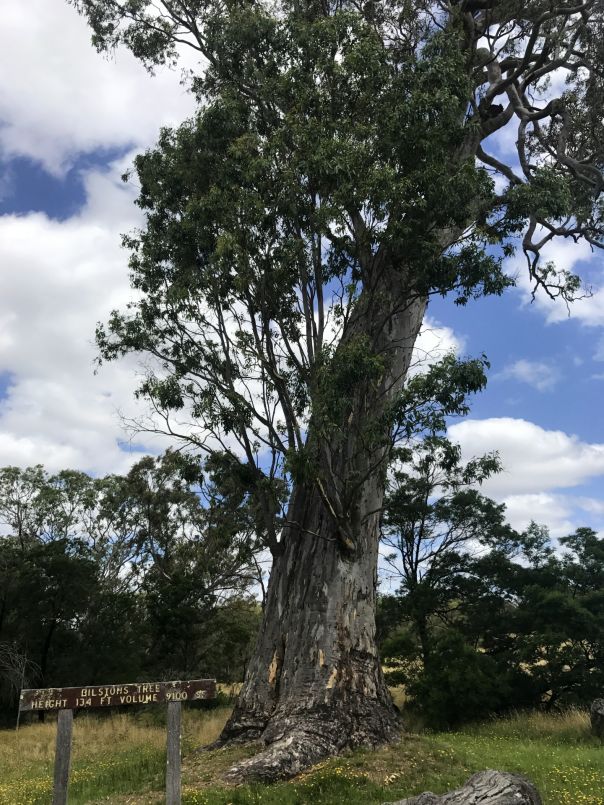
[{"x": 315, "y": 685}]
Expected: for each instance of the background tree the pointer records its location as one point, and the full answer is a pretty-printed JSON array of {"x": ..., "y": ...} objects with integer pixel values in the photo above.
[
  {"x": 517, "y": 632},
  {"x": 435, "y": 520},
  {"x": 338, "y": 173},
  {"x": 121, "y": 578}
]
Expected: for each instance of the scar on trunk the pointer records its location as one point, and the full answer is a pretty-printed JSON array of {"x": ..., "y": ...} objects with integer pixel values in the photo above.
[
  {"x": 321, "y": 658},
  {"x": 273, "y": 670},
  {"x": 332, "y": 678}
]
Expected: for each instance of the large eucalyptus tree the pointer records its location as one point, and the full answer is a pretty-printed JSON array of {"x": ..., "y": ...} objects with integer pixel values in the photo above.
[{"x": 342, "y": 167}]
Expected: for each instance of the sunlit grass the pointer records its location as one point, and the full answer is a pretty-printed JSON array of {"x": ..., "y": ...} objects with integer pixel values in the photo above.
[
  {"x": 120, "y": 760},
  {"x": 111, "y": 755},
  {"x": 556, "y": 751}
]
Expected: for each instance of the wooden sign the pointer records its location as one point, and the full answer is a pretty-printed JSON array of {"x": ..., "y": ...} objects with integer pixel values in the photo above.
[
  {"x": 117, "y": 695},
  {"x": 66, "y": 700}
]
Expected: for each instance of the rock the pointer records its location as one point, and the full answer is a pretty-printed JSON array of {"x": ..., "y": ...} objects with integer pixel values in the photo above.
[
  {"x": 597, "y": 718},
  {"x": 485, "y": 788}
]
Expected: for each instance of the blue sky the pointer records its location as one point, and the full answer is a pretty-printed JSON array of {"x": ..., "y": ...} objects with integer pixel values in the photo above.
[
  {"x": 30, "y": 187},
  {"x": 67, "y": 134}
]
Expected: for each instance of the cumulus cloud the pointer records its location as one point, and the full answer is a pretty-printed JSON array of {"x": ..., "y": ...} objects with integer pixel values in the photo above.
[
  {"x": 535, "y": 460},
  {"x": 435, "y": 340},
  {"x": 59, "y": 97},
  {"x": 579, "y": 258},
  {"x": 562, "y": 513},
  {"x": 538, "y": 374},
  {"x": 58, "y": 279},
  {"x": 555, "y": 511}
]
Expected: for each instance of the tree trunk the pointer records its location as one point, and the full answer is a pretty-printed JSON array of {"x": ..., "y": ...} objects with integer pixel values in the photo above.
[
  {"x": 421, "y": 625},
  {"x": 314, "y": 685}
]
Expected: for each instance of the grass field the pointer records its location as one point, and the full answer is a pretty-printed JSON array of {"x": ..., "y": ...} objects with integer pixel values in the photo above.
[{"x": 120, "y": 759}]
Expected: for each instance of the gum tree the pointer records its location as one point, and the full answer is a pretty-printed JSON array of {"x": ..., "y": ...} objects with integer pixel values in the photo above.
[{"x": 341, "y": 168}]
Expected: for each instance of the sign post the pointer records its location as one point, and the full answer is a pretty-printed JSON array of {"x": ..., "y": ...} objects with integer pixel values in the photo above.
[
  {"x": 173, "y": 788},
  {"x": 62, "y": 757},
  {"x": 66, "y": 700}
]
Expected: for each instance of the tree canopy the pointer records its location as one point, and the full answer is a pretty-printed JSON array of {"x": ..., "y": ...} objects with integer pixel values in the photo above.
[
  {"x": 337, "y": 144},
  {"x": 341, "y": 169}
]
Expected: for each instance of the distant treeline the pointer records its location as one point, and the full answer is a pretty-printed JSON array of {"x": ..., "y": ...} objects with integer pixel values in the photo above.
[
  {"x": 156, "y": 575},
  {"x": 485, "y": 619},
  {"x": 121, "y": 578}
]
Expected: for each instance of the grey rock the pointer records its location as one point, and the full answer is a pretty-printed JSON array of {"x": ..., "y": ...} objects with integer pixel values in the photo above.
[
  {"x": 484, "y": 788},
  {"x": 597, "y": 718}
]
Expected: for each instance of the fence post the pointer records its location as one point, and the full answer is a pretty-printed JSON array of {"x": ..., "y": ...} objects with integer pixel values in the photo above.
[
  {"x": 173, "y": 787},
  {"x": 62, "y": 757}
]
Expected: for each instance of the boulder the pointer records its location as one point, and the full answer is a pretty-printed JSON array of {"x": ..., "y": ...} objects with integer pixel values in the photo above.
[
  {"x": 485, "y": 788},
  {"x": 597, "y": 718}
]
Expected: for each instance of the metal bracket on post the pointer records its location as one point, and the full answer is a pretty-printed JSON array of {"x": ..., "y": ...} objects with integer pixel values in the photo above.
[
  {"x": 62, "y": 757},
  {"x": 173, "y": 785}
]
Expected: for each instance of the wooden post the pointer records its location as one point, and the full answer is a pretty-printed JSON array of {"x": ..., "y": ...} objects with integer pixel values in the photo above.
[
  {"x": 66, "y": 700},
  {"x": 62, "y": 757},
  {"x": 173, "y": 789}
]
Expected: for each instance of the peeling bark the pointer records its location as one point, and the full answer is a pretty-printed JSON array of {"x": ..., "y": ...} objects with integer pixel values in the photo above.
[
  {"x": 315, "y": 686},
  {"x": 484, "y": 788}
]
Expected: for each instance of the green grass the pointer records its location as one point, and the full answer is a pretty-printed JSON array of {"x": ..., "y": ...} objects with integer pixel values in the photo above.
[
  {"x": 121, "y": 760},
  {"x": 115, "y": 755}
]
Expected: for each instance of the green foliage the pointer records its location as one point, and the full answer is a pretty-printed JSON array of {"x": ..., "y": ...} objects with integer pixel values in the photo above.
[
  {"x": 334, "y": 176},
  {"x": 430, "y": 398},
  {"x": 315, "y": 147},
  {"x": 547, "y": 196},
  {"x": 485, "y": 619},
  {"x": 119, "y": 578},
  {"x": 459, "y": 685},
  {"x": 517, "y": 626}
]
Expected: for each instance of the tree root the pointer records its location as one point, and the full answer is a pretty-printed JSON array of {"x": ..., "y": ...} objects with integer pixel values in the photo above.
[
  {"x": 282, "y": 759},
  {"x": 485, "y": 788},
  {"x": 293, "y": 747}
]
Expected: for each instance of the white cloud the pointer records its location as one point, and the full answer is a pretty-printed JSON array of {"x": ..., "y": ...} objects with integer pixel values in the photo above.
[
  {"x": 57, "y": 280},
  {"x": 555, "y": 511},
  {"x": 535, "y": 460},
  {"x": 538, "y": 374},
  {"x": 538, "y": 465},
  {"x": 435, "y": 340},
  {"x": 579, "y": 258},
  {"x": 593, "y": 505},
  {"x": 588, "y": 311},
  {"x": 59, "y": 97},
  {"x": 562, "y": 513}
]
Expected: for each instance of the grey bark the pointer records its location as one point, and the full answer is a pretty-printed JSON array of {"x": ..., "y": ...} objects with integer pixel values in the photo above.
[
  {"x": 484, "y": 788},
  {"x": 62, "y": 757},
  {"x": 315, "y": 686},
  {"x": 173, "y": 779},
  {"x": 597, "y": 718}
]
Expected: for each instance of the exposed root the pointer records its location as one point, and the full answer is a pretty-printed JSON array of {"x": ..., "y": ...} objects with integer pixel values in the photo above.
[
  {"x": 292, "y": 748},
  {"x": 239, "y": 732},
  {"x": 282, "y": 759},
  {"x": 485, "y": 788}
]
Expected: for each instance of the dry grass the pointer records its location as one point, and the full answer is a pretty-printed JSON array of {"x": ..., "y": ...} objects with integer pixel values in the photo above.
[
  {"x": 119, "y": 760},
  {"x": 567, "y": 726},
  {"x": 110, "y": 754}
]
